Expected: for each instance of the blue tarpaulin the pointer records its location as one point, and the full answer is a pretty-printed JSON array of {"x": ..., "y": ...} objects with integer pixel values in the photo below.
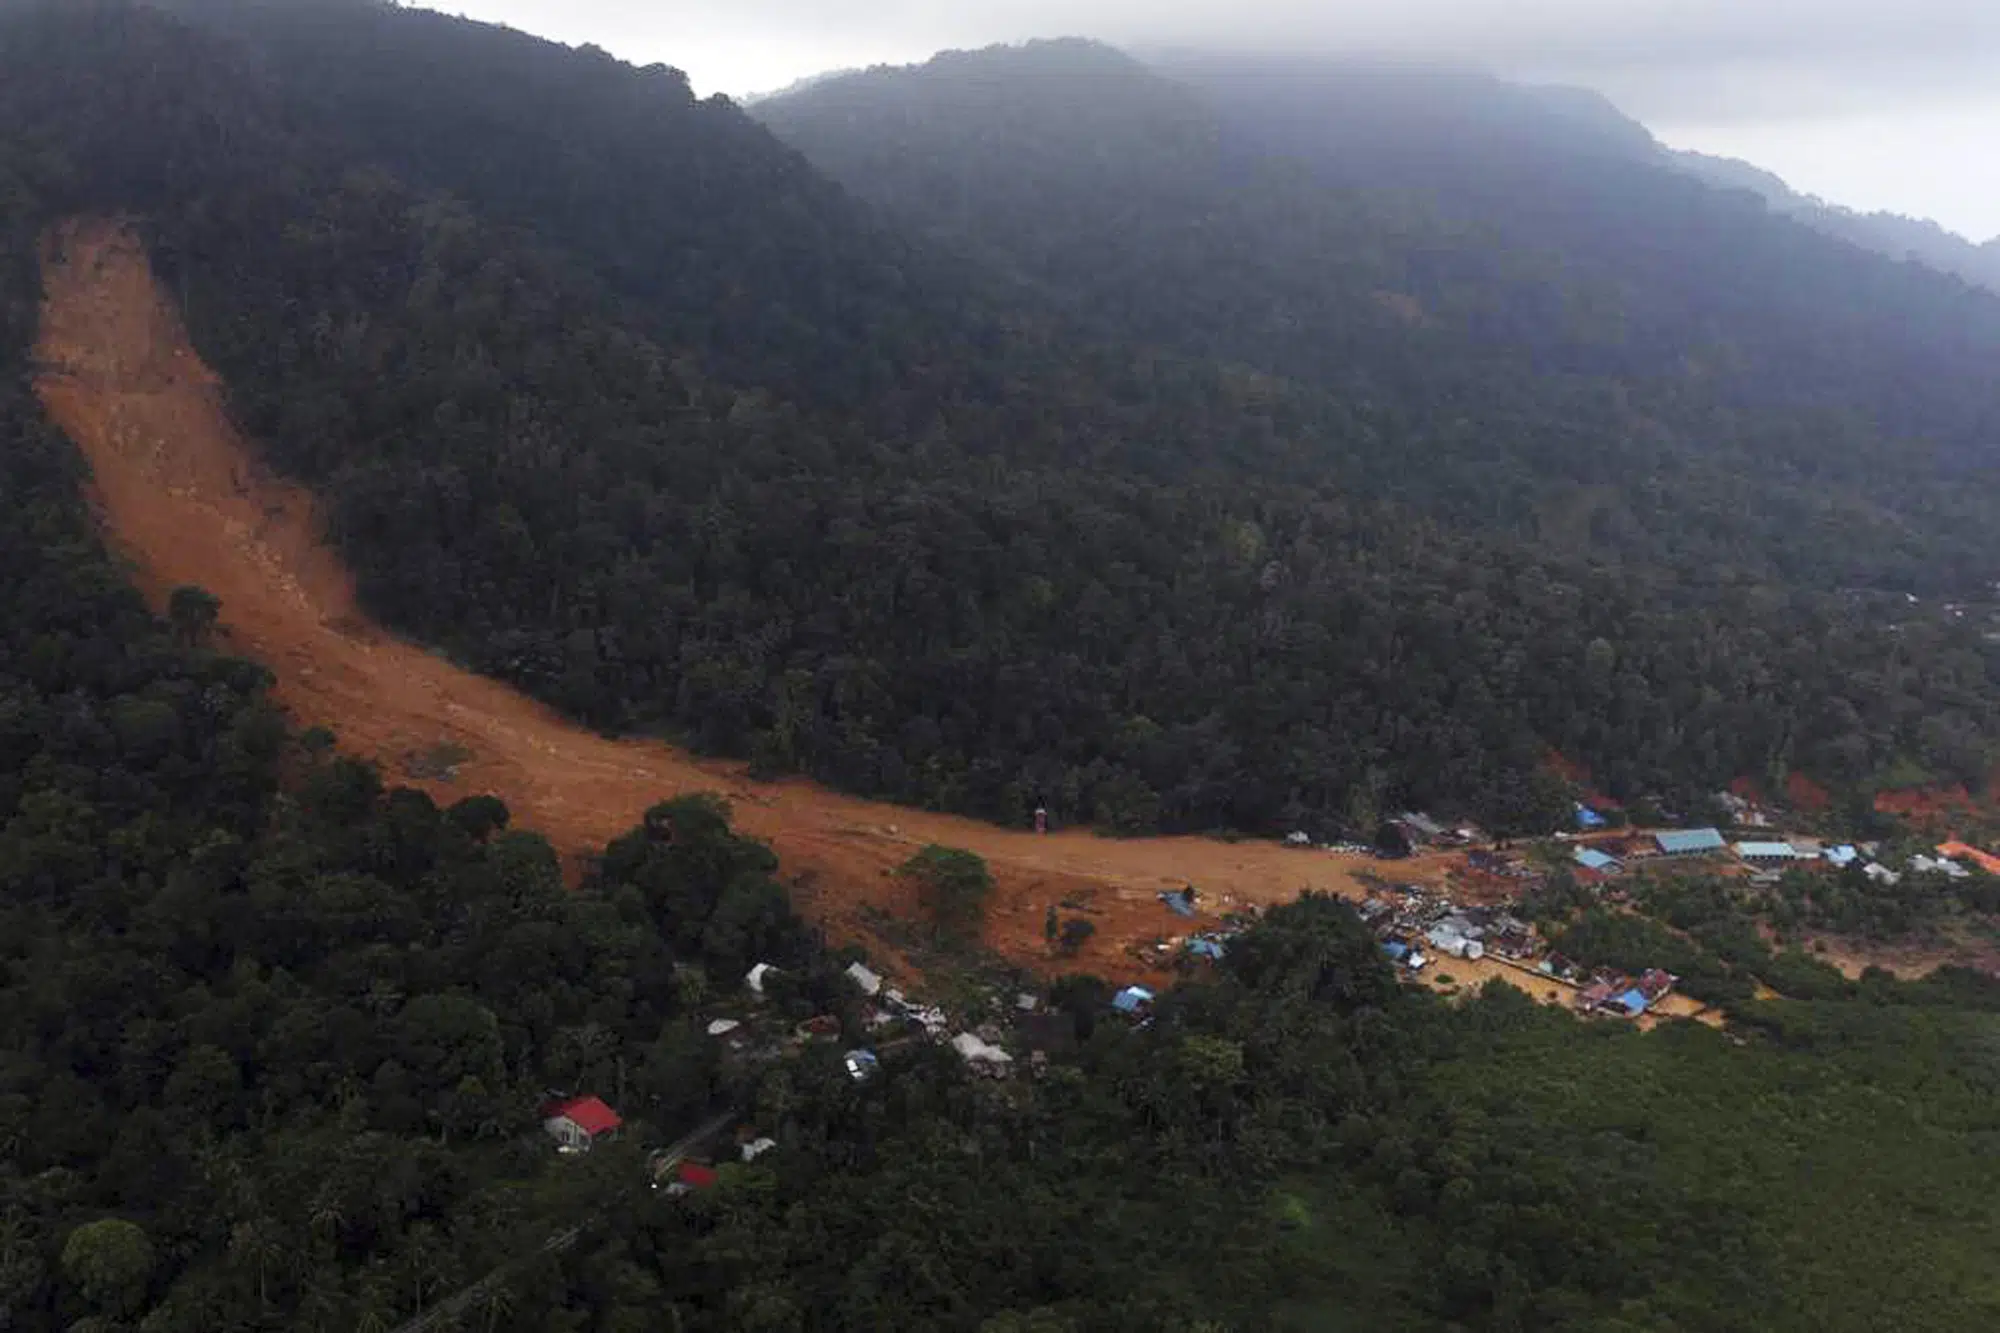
[
  {"x": 1588, "y": 818},
  {"x": 1633, "y": 1002},
  {"x": 1210, "y": 949},
  {"x": 1181, "y": 903}
]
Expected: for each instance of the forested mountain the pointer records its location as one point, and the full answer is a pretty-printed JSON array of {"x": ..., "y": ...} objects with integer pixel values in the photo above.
[
  {"x": 1496, "y": 278},
  {"x": 273, "y": 1038},
  {"x": 1063, "y": 553},
  {"x": 1899, "y": 237}
]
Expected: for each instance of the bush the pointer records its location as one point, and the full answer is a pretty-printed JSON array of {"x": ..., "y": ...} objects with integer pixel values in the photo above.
[{"x": 954, "y": 886}]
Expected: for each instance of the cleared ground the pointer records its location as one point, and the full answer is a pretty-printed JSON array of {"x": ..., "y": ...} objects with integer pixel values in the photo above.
[{"x": 184, "y": 496}]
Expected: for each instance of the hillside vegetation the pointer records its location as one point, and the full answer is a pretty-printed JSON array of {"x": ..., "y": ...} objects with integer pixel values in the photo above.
[
  {"x": 993, "y": 554},
  {"x": 274, "y": 1036},
  {"x": 1917, "y": 239},
  {"x": 1497, "y": 284}
]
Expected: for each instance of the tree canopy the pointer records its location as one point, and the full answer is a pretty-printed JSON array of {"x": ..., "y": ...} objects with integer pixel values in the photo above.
[
  {"x": 989, "y": 555},
  {"x": 276, "y": 1037}
]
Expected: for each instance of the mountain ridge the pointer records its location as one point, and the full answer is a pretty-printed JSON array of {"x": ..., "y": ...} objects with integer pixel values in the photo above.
[
  {"x": 1085, "y": 554},
  {"x": 1589, "y": 111}
]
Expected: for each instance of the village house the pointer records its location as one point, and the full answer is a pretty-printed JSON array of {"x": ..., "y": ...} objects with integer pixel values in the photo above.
[
  {"x": 1511, "y": 939},
  {"x": 1403, "y": 955},
  {"x": 1133, "y": 1001},
  {"x": 981, "y": 1055},
  {"x": 1595, "y": 996},
  {"x": 1629, "y": 1003},
  {"x": 692, "y": 1176},
  {"x": 869, "y": 982},
  {"x": 1420, "y": 828},
  {"x": 1450, "y": 937},
  {"x": 579, "y": 1122},
  {"x": 1655, "y": 984},
  {"x": 1689, "y": 842},
  {"x": 1593, "y": 860},
  {"x": 1769, "y": 852},
  {"x": 1558, "y": 966}
]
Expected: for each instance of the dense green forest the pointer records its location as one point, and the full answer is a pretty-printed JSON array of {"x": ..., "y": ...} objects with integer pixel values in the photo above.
[
  {"x": 273, "y": 1037},
  {"x": 983, "y": 558},
  {"x": 1513, "y": 283},
  {"x": 1574, "y": 338}
]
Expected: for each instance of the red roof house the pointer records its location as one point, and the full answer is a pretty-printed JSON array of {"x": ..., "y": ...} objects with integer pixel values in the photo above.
[
  {"x": 577, "y": 1122},
  {"x": 1654, "y": 983},
  {"x": 696, "y": 1176}
]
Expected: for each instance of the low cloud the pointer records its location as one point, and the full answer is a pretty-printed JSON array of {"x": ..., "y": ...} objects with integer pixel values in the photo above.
[
  {"x": 1707, "y": 71},
  {"x": 1666, "y": 57}
]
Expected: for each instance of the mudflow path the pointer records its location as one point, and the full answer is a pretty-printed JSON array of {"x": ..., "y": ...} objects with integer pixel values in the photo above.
[{"x": 183, "y": 496}]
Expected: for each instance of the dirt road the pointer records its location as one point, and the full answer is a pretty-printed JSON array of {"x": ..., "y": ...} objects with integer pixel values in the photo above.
[{"x": 185, "y": 497}]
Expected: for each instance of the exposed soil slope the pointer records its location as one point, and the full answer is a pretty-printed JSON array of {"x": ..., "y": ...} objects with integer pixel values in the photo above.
[{"x": 183, "y": 494}]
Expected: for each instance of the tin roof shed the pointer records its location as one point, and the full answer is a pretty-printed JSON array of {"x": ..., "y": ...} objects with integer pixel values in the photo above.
[{"x": 1689, "y": 841}]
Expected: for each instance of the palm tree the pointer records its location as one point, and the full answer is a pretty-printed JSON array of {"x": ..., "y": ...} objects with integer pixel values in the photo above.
[
  {"x": 325, "y": 1215},
  {"x": 375, "y": 1310},
  {"x": 496, "y": 1301},
  {"x": 259, "y": 1243}
]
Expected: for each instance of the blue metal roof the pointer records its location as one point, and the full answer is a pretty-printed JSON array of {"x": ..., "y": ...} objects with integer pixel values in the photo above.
[
  {"x": 1592, "y": 859},
  {"x": 1774, "y": 851},
  {"x": 1678, "y": 842},
  {"x": 1128, "y": 1000}
]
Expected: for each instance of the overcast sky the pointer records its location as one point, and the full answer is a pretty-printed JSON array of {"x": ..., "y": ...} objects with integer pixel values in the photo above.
[{"x": 1891, "y": 104}]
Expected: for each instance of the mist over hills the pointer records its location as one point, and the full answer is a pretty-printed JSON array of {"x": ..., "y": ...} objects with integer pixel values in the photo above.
[
  {"x": 1279, "y": 211},
  {"x": 1899, "y": 237},
  {"x": 1038, "y": 432}
]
